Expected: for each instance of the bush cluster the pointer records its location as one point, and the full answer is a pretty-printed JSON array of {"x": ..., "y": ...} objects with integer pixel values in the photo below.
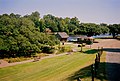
[{"x": 18, "y": 59}]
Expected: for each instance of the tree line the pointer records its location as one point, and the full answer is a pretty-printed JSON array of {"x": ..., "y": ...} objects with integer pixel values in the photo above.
[
  {"x": 26, "y": 35},
  {"x": 72, "y": 26}
]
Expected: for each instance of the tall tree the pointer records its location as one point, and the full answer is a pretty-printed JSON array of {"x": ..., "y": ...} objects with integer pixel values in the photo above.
[
  {"x": 50, "y": 22},
  {"x": 35, "y": 17},
  {"x": 114, "y": 29}
]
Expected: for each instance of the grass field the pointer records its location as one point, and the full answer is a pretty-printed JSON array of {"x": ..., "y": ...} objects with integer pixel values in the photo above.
[{"x": 60, "y": 68}]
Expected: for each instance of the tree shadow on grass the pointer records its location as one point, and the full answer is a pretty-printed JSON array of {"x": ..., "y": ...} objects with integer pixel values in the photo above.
[
  {"x": 86, "y": 73},
  {"x": 91, "y": 51}
]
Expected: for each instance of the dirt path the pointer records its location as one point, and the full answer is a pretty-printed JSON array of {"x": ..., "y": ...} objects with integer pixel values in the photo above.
[{"x": 6, "y": 64}]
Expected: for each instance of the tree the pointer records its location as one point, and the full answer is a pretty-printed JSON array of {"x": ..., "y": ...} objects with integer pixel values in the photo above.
[
  {"x": 35, "y": 17},
  {"x": 12, "y": 15},
  {"x": 42, "y": 25},
  {"x": 91, "y": 29},
  {"x": 75, "y": 21},
  {"x": 114, "y": 29},
  {"x": 104, "y": 29},
  {"x": 60, "y": 24},
  {"x": 71, "y": 24}
]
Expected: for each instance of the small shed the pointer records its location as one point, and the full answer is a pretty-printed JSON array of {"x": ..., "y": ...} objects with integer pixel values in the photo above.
[{"x": 62, "y": 36}]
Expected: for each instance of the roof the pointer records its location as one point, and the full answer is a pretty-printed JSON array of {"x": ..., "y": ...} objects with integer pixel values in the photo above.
[{"x": 63, "y": 34}]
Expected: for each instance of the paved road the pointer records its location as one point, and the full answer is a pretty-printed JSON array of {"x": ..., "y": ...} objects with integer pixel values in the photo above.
[{"x": 113, "y": 66}]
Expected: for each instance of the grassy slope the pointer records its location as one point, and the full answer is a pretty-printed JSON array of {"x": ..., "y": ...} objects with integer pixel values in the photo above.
[{"x": 60, "y": 68}]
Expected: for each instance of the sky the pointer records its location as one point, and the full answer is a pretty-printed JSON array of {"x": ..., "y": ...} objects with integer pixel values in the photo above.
[{"x": 87, "y": 11}]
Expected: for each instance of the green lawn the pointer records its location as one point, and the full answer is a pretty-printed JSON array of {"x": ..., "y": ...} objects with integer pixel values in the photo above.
[{"x": 60, "y": 68}]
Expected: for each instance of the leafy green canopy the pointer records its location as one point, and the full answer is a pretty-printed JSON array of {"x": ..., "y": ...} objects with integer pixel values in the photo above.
[
  {"x": 114, "y": 29},
  {"x": 18, "y": 35},
  {"x": 73, "y": 26},
  {"x": 91, "y": 29},
  {"x": 57, "y": 24},
  {"x": 70, "y": 25}
]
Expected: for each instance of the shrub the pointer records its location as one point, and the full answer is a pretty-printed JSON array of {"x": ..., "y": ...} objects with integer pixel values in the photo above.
[
  {"x": 89, "y": 42},
  {"x": 64, "y": 49},
  {"x": 48, "y": 49},
  {"x": 18, "y": 59}
]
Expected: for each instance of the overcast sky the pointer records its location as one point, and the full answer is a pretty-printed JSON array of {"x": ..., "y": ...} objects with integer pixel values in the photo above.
[{"x": 92, "y": 11}]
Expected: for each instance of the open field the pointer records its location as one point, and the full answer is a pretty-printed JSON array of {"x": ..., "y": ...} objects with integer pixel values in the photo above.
[{"x": 60, "y": 68}]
